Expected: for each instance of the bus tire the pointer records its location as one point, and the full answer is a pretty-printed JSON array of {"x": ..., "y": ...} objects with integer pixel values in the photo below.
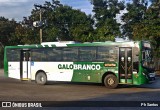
[
  {"x": 41, "y": 78},
  {"x": 110, "y": 81}
]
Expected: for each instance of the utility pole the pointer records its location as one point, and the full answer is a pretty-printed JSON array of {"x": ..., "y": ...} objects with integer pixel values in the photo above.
[
  {"x": 41, "y": 32},
  {"x": 40, "y": 21}
]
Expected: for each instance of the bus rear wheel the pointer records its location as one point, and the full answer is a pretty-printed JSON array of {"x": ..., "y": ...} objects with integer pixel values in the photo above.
[
  {"x": 110, "y": 81},
  {"x": 41, "y": 78}
]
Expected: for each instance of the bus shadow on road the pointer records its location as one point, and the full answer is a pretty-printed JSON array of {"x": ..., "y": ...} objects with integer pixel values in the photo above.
[
  {"x": 73, "y": 83},
  {"x": 146, "y": 86},
  {"x": 152, "y": 85}
]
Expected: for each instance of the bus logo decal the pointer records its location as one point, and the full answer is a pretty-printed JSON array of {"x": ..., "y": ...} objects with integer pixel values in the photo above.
[{"x": 80, "y": 66}]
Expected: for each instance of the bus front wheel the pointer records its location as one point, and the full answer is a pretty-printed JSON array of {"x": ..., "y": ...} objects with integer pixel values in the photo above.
[
  {"x": 41, "y": 78},
  {"x": 110, "y": 81}
]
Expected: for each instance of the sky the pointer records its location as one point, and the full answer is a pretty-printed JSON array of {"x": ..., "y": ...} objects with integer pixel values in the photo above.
[{"x": 17, "y": 9}]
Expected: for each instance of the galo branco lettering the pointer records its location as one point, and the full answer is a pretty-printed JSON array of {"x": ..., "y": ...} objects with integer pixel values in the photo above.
[{"x": 80, "y": 66}]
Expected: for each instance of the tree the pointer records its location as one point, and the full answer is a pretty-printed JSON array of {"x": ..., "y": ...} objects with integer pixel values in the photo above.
[
  {"x": 143, "y": 23},
  {"x": 64, "y": 22},
  {"x": 25, "y": 33},
  {"x": 150, "y": 26},
  {"x": 70, "y": 24},
  {"x": 106, "y": 26},
  {"x": 134, "y": 16},
  {"x": 7, "y": 28}
]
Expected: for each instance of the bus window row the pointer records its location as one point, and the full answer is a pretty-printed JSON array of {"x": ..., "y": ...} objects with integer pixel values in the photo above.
[{"x": 68, "y": 54}]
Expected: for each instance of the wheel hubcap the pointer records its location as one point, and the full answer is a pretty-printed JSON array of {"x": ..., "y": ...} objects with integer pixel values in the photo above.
[
  {"x": 110, "y": 81},
  {"x": 42, "y": 79}
]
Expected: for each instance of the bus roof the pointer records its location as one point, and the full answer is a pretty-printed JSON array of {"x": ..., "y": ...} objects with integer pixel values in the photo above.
[{"x": 73, "y": 43}]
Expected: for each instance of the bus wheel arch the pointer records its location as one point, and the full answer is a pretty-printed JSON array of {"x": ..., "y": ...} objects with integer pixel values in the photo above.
[
  {"x": 41, "y": 77},
  {"x": 110, "y": 80}
]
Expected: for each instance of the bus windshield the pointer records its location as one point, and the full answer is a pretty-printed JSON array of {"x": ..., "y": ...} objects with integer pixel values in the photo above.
[{"x": 147, "y": 60}]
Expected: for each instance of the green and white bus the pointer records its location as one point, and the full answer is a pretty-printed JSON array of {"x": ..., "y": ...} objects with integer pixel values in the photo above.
[{"x": 110, "y": 63}]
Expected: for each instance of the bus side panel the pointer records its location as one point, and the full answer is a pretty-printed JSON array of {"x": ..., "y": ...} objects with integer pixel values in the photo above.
[
  {"x": 55, "y": 71},
  {"x": 143, "y": 78},
  {"x": 87, "y": 72},
  {"x": 14, "y": 70}
]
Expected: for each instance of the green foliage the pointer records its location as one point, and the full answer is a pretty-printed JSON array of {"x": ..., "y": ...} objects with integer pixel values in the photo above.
[
  {"x": 7, "y": 29},
  {"x": 133, "y": 17},
  {"x": 149, "y": 27},
  {"x": 25, "y": 35},
  {"x": 64, "y": 23},
  {"x": 106, "y": 27}
]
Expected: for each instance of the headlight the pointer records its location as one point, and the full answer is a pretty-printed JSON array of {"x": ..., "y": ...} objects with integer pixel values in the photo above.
[{"x": 152, "y": 75}]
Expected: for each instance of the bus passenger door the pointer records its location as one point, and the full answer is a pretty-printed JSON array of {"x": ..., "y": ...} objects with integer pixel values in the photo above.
[
  {"x": 125, "y": 65},
  {"x": 25, "y": 65}
]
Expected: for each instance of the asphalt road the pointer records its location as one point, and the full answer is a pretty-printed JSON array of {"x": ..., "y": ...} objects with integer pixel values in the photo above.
[{"x": 15, "y": 90}]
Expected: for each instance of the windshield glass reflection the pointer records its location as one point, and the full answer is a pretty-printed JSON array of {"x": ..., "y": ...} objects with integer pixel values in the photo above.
[{"x": 147, "y": 59}]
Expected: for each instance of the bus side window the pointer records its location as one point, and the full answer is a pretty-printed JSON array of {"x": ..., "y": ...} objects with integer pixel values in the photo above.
[
  {"x": 35, "y": 55},
  {"x": 87, "y": 53},
  {"x": 107, "y": 53},
  {"x": 70, "y": 54},
  {"x": 13, "y": 54}
]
